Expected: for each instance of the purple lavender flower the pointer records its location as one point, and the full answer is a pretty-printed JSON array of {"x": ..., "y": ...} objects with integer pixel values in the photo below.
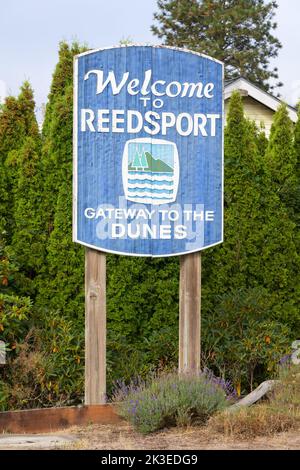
[{"x": 285, "y": 359}]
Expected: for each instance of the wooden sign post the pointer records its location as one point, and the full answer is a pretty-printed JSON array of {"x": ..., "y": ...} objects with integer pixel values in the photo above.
[
  {"x": 190, "y": 314},
  {"x": 95, "y": 327},
  {"x": 148, "y": 177}
]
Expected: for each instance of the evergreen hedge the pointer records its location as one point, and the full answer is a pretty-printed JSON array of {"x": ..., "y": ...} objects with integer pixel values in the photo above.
[{"x": 250, "y": 283}]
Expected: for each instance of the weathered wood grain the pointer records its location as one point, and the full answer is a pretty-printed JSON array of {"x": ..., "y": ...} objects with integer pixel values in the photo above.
[
  {"x": 190, "y": 314},
  {"x": 95, "y": 327},
  {"x": 257, "y": 394}
]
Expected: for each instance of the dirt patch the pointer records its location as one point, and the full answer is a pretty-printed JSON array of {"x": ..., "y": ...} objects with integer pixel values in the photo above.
[{"x": 122, "y": 437}]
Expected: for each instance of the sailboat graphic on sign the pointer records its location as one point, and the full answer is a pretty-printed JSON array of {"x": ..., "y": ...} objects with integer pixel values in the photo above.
[{"x": 150, "y": 171}]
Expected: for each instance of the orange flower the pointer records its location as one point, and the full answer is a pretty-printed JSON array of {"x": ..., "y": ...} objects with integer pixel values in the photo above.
[
  {"x": 268, "y": 339},
  {"x": 4, "y": 281}
]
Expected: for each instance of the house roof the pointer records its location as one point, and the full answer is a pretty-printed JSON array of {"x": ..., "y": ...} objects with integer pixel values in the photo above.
[{"x": 249, "y": 89}]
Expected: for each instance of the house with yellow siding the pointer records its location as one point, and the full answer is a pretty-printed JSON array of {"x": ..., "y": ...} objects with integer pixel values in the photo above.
[{"x": 259, "y": 105}]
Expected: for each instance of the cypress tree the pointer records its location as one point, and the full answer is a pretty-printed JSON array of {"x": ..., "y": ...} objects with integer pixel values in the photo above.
[
  {"x": 281, "y": 159},
  {"x": 237, "y": 32},
  {"x": 28, "y": 241},
  {"x": 259, "y": 248},
  {"x": 62, "y": 276},
  {"x": 297, "y": 153},
  {"x": 26, "y": 193},
  {"x": 57, "y": 132},
  {"x": 238, "y": 257},
  {"x": 297, "y": 140},
  {"x": 17, "y": 122}
]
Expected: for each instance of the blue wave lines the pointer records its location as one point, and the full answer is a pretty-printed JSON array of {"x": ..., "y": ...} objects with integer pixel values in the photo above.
[
  {"x": 150, "y": 190},
  {"x": 151, "y": 197},
  {"x": 146, "y": 180}
]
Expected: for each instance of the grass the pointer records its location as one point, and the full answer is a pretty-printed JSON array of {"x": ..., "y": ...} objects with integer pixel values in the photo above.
[{"x": 281, "y": 412}]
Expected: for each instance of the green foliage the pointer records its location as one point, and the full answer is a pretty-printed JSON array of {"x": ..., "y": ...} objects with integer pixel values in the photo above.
[
  {"x": 15, "y": 317},
  {"x": 257, "y": 251},
  {"x": 14, "y": 310},
  {"x": 242, "y": 340},
  {"x": 297, "y": 140},
  {"x": 142, "y": 304},
  {"x": 281, "y": 158},
  {"x": 250, "y": 283},
  {"x": 237, "y": 32},
  {"x": 17, "y": 122},
  {"x": 296, "y": 204},
  {"x": 168, "y": 400},
  {"x": 28, "y": 239},
  {"x": 47, "y": 366},
  {"x": 60, "y": 285},
  {"x": 62, "y": 343}
]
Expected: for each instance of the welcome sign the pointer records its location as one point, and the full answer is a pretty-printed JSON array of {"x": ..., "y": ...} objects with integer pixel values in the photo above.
[{"x": 148, "y": 150}]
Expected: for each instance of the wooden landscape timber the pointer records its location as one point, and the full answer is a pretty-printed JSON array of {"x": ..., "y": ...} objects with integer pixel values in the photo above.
[
  {"x": 256, "y": 395},
  {"x": 54, "y": 419}
]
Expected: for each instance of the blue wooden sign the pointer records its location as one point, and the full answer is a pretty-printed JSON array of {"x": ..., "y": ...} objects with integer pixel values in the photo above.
[{"x": 148, "y": 150}]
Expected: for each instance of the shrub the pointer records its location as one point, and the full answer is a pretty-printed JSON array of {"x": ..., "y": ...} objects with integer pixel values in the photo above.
[
  {"x": 46, "y": 368},
  {"x": 62, "y": 344},
  {"x": 171, "y": 400},
  {"x": 15, "y": 311},
  {"x": 241, "y": 338},
  {"x": 24, "y": 385}
]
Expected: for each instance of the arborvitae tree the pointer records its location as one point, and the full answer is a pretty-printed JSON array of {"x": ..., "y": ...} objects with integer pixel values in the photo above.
[
  {"x": 27, "y": 106},
  {"x": 259, "y": 247},
  {"x": 239, "y": 256},
  {"x": 237, "y": 32},
  {"x": 62, "y": 276},
  {"x": 64, "y": 289},
  {"x": 25, "y": 190},
  {"x": 17, "y": 122},
  {"x": 297, "y": 140},
  {"x": 297, "y": 153},
  {"x": 262, "y": 142},
  {"x": 28, "y": 239},
  {"x": 142, "y": 304},
  {"x": 281, "y": 159},
  {"x": 57, "y": 132}
]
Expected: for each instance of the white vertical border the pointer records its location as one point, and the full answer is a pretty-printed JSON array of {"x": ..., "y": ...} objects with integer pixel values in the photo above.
[
  {"x": 223, "y": 134},
  {"x": 75, "y": 145}
]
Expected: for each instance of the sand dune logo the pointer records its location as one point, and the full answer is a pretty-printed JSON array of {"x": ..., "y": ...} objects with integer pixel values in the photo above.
[{"x": 150, "y": 171}]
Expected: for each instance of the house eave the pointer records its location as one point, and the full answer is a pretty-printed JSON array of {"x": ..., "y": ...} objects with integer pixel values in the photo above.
[{"x": 247, "y": 88}]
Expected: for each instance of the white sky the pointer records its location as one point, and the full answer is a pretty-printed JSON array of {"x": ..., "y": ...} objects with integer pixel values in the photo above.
[{"x": 30, "y": 31}]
